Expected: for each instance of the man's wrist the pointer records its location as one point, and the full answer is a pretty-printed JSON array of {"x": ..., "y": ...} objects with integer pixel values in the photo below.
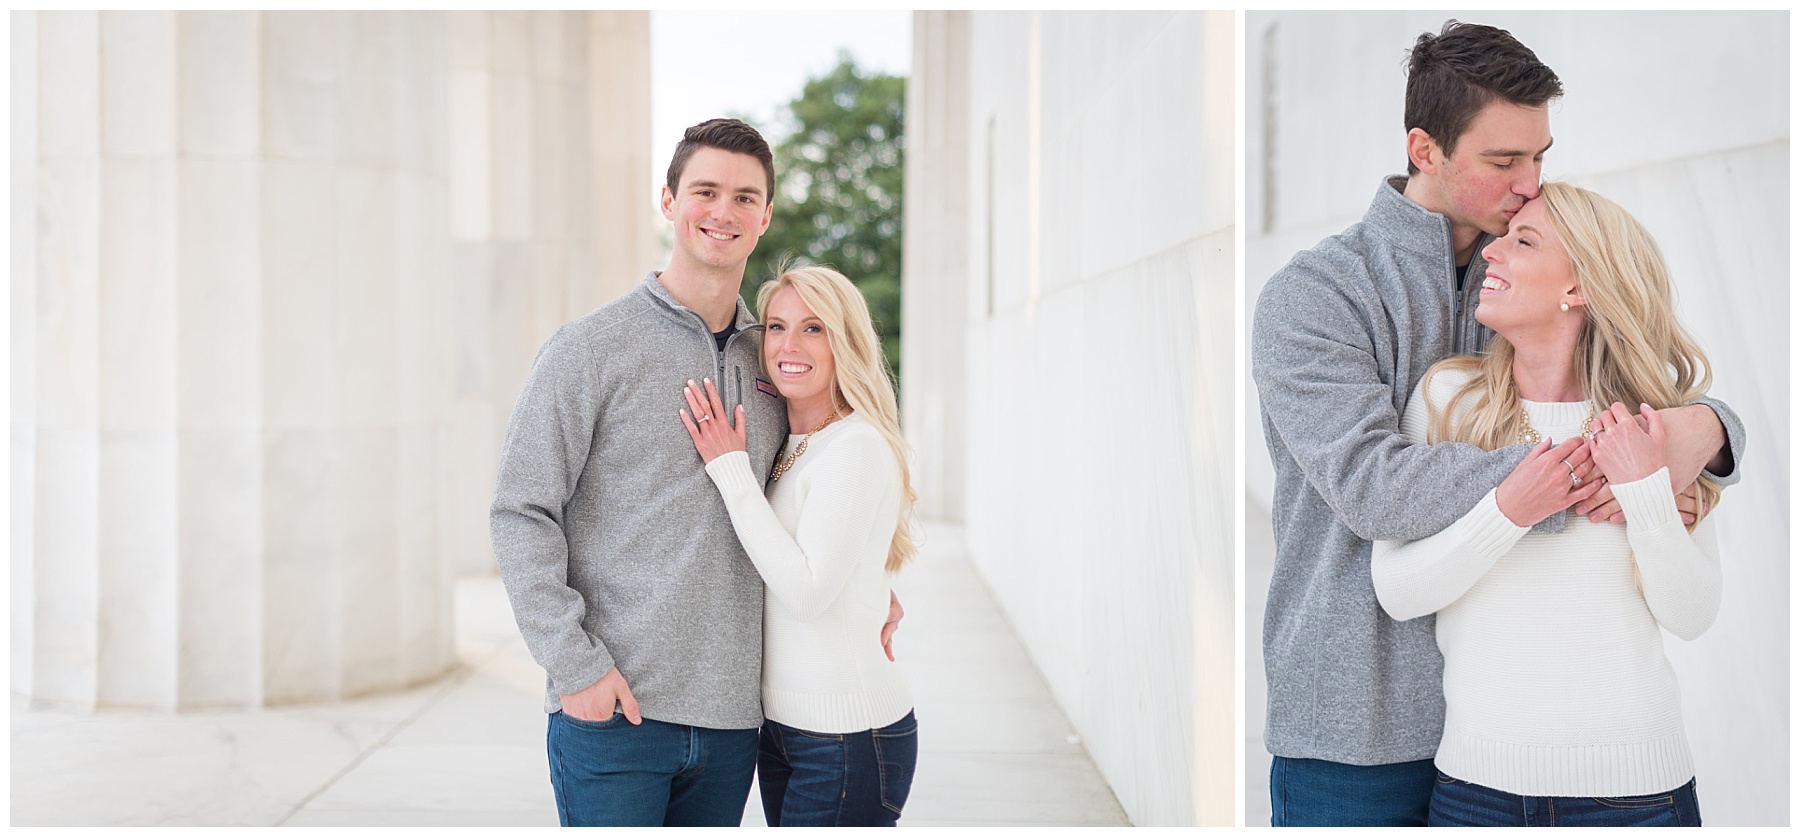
[{"x": 1707, "y": 430}]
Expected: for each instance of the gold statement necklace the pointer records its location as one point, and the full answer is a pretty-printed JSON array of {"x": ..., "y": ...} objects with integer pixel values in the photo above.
[
  {"x": 782, "y": 467},
  {"x": 1530, "y": 435}
]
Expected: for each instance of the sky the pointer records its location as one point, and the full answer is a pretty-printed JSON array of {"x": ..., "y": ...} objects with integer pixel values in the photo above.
[{"x": 707, "y": 64}]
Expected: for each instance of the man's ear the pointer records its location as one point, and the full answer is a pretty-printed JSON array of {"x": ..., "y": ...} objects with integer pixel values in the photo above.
[
  {"x": 667, "y": 202},
  {"x": 768, "y": 215},
  {"x": 1421, "y": 150}
]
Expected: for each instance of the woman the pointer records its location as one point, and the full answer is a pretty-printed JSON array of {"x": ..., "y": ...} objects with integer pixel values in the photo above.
[
  {"x": 839, "y": 743},
  {"x": 1560, "y": 707}
]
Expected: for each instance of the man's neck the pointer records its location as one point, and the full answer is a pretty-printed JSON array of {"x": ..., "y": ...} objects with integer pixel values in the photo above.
[
  {"x": 711, "y": 294},
  {"x": 1420, "y": 190}
]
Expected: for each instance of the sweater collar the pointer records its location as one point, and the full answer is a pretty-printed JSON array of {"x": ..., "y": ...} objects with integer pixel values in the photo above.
[
  {"x": 653, "y": 286},
  {"x": 1407, "y": 225},
  {"x": 1415, "y": 229}
]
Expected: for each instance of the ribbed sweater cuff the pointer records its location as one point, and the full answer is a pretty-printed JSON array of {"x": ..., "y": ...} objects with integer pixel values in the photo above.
[
  {"x": 1648, "y": 503},
  {"x": 1489, "y": 530},
  {"x": 730, "y": 471}
]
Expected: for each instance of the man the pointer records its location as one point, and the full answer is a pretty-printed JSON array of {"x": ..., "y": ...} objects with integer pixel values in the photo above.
[
  {"x": 1342, "y": 335},
  {"x": 625, "y": 575}
]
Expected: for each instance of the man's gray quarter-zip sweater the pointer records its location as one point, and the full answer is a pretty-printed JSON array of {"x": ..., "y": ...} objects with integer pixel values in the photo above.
[{"x": 614, "y": 545}]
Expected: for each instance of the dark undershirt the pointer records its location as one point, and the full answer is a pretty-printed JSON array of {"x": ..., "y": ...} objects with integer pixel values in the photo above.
[
  {"x": 719, "y": 337},
  {"x": 1462, "y": 275}
]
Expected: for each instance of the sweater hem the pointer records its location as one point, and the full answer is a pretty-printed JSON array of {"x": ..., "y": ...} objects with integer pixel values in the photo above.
[
  {"x": 1629, "y": 768},
  {"x": 843, "y": 712}
]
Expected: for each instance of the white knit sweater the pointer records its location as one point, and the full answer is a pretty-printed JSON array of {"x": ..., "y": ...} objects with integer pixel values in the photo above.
[
  {"x": 1555, "y": 682},
  {"x": 820, "y": 540}
]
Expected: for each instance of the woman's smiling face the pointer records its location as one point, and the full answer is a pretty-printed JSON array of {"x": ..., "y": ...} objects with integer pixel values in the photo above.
[
  {"x": 1529, "y": 275},
  {"x": 796, "y": 349}
]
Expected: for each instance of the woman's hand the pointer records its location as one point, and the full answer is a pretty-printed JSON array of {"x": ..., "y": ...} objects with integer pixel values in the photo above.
[
  {"x": 1547, "y": 481},
  {"x": 1625, "y": 451},
  {"x": 707, "y": 424}
]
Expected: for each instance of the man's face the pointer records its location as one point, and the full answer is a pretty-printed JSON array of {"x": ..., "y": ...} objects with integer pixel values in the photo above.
[
  {"x": 1496, "y": 168},
  {"x": 720, "y": 209}
]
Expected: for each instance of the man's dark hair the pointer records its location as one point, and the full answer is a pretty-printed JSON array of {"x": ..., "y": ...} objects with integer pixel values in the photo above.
[
  {"x": 1452, "y": 75},
  {"x": 726, "y": 135}
]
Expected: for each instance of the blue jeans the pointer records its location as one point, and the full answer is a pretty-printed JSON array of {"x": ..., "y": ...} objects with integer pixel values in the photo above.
[
  {"x": 1313, "y": 792},
  {"x": 612, "y": 772},
  {"x": 831, "y": 779},
  {"x": 1456, "y": 802}
]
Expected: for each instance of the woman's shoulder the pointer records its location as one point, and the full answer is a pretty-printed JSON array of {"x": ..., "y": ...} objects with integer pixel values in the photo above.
[
  {"x": 1446, "y": 378},
  {"x": 858, "y": 433},
  {"x": 1439, "y": 386},
  {"x": 858, "y": 440}
]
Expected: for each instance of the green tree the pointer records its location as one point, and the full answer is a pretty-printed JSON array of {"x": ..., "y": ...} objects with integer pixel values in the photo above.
[{"x": 837, "y": 199}]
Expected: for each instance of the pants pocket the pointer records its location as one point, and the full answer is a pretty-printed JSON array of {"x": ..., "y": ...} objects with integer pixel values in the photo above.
[
  {"x": 896, "y": 755},
  {"x": 617, "y": 719},
  {"x": 1655, "y": 800}
]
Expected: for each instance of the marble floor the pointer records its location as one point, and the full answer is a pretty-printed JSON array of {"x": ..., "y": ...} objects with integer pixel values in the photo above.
[{"x": 469, "y": 749}]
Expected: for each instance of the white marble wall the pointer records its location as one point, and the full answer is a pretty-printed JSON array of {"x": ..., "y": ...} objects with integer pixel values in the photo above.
[
  {"x": 1682, "y": 119},
  {"x": 1093, "y": 418},
  {"x": 277, "y": 278},
  {"x": 550, "y": 142}
]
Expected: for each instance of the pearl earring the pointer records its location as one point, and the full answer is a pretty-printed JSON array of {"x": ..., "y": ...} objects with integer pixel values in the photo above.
[{"x": 1565, "y": 306}]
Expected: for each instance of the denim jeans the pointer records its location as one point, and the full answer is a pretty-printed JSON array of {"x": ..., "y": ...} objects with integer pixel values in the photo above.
[
  {"x": 613, "y": 772},
  {"x": 831, "y": 779},
  {"x": 1313, "y": 792},
  {"x": 1456, "y": 802}
]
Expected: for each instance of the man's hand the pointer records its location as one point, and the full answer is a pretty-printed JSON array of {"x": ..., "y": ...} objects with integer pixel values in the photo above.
[
  {"x": 895, "y": 613},
  {"x": 1696, "y": 442},
  {"x": 1603, "y": 508},
  {"x": 597, "y": 702}
]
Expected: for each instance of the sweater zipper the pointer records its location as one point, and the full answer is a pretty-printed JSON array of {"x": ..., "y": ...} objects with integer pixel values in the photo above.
[
  {"x": 1466, "y": 301},
  {"x": 736, "y": 389},
  {"x": 1456, "y": 300}
]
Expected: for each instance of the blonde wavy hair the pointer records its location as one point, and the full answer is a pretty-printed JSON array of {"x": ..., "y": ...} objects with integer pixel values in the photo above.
[
  {"x": 1631, "y": 350},
  {"x": 861, "y": 380}
]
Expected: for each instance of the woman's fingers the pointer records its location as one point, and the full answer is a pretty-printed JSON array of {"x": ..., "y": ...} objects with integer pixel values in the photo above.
[
  {"x": 1580, "y": 455},
  {"x": 1584, "y": 491},
  {"x": 1537, "y": 451},
  {"x": 693, "y": 401},
  {"x": 1621, "y": 418},
  {"x": 1563, "y": 451},
  {"x": 712, "y": 394},
  {"x": 1652, "y": 421},
  {"x": 693, "y": 432}
]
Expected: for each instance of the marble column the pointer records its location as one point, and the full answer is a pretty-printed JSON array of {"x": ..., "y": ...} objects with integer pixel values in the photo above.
[
  {"x": 551, "y": 214},
  {"x": 935, "y": 259},
  {"x": 231, "y": 345}
]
